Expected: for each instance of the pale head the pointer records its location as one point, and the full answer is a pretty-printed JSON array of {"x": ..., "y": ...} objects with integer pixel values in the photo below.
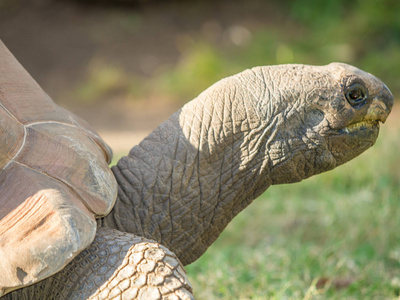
[
  {"x": 322, "y": 116},
  {"x": 363, "y": 102}
]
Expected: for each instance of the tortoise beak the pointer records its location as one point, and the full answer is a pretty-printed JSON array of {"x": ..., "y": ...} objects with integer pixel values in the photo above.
[{"x": 381, "y": 105}]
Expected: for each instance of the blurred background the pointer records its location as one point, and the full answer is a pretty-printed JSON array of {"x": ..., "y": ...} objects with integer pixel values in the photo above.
[{"x": 125, "y": 66}]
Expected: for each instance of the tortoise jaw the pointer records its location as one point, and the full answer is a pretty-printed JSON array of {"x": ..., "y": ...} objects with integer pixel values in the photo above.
[
  {"x": 357, "y": 136},
  {"x": 367, "y": 125},
  {"x": 352, "y": 140}
]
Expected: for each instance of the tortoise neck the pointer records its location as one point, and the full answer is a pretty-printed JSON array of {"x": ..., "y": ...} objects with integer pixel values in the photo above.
[{"x": 185, "y": 182}]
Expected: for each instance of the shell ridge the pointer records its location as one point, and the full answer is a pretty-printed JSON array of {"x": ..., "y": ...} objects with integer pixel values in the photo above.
[
  {"x": 107, "y": 155},
  {"x": 49, "y": 122},
  {"x": 18, "y": 152},
  {"x": 96, "y": 144},
  {"x": 4, "y": 108}
]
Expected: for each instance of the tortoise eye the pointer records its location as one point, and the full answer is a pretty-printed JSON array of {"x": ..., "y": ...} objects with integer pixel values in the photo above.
[{"x": 357, "y": 95}]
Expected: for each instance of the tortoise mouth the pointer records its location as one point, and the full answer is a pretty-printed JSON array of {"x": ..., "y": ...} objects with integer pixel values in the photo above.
[
  {"x": 361, "y": 126},
  {"x": 364, "y": 132},
  {"x": 353, "y": 140}
]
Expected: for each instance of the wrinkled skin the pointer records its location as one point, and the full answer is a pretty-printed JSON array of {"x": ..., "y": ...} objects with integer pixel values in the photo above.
[{"x": 184, "y": 183}]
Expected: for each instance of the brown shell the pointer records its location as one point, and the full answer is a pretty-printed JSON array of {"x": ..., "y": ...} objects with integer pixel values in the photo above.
[{"x": 54, "y": 180}]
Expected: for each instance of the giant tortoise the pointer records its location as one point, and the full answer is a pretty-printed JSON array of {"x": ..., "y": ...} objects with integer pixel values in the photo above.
[{"x": 71, "y": 228}]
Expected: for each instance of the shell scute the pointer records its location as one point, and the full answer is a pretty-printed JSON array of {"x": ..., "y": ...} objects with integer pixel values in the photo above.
[{"x": 70, "y": 158}]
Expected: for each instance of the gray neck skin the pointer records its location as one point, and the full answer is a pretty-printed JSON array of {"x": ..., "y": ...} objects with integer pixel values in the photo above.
[{"x": 186, "y": 181}]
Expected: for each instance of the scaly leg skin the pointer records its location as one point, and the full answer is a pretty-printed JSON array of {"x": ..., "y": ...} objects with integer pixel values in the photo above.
[{"x": 117, "y": 265}]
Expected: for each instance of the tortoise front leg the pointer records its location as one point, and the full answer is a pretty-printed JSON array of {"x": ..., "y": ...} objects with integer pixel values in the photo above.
[{"x": 116, "y": 266}]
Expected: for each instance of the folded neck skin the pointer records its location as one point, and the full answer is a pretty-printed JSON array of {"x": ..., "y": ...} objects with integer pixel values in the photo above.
[{"x": 185, "y": 182}]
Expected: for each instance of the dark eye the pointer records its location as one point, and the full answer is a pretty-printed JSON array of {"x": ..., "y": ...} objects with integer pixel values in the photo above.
[{"x": 357, "y": 95}]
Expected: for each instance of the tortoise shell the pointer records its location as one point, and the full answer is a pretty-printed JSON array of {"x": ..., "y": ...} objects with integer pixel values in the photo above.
[{"x": 54, "y": 180}]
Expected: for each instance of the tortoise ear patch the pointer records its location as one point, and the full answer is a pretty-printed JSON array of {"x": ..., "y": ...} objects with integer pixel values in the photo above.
[{"x": 54, "y": 180}]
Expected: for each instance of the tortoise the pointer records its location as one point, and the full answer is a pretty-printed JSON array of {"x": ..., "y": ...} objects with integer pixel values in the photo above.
[{"x": 72, "y": 229}]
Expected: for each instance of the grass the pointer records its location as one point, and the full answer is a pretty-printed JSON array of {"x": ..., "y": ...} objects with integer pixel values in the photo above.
[{"x": 334, "y": 236}]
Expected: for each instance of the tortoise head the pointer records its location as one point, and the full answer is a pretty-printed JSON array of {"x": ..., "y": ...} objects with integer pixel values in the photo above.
[
  {"x": 320, "y": 116},
  {"x": 355, "y": 112}
]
